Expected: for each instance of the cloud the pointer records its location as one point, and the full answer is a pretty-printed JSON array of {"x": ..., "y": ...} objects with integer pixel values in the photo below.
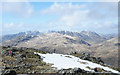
[
  {"x": 86, "y": 15},
  {"x": 60, "y": 8},
  {"x": 12, "y": 25},
  {"x": 77, "y": 18},
  {"x": 68, "y": 13},
  {"x": 8, "y": 25},
  {"x": 18, "y": 9}
]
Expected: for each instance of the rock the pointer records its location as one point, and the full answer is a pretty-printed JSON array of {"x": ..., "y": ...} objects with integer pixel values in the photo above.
[
  {"x": 38, "y": 56},
  {"x": 5, "y": 53},
  {"x": 70, "y": 71},
  {"x": 77, "y": 70},
  {"x": 19, "y": 60},
  {"x": 4, "y": 67},
  {"x": 9, "y": 72},
  {"x": 23, "y": 48},
  {"x": 23, "y": 56},
  {"x": 33, "y": 72},
  {"x": 62, "y": 71}
]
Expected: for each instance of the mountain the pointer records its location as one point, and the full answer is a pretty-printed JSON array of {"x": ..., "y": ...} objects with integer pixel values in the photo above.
[
  {"x": 55, "y": 41},
  {"x": 14, "y": 39},
  {"x": 108, "y": 51},
  {"x": 66, "y": 42},
  {"x": 12, "y": 36},
  {"x": 89, "y": 36}
]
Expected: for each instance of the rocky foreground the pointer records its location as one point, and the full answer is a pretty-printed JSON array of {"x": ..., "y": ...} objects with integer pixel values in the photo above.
[{"x": 24, "y": 61}]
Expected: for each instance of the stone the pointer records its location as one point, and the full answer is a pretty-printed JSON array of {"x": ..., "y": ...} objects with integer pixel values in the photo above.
[
  {"x": 77, "y": 70},
  {"x": 9, "y": 72},
  {"x": 23, "y": 56}
]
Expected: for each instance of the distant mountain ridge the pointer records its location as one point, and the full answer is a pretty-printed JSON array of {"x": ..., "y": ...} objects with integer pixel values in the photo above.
[
  {"x": 11, "y": 36},
  {"x": 88, "y": 36}
]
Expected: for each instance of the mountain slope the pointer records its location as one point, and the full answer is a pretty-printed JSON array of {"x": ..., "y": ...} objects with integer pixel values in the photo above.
[
  {"x": 12, "y": 36},
  {"x": 55, "y": 42},
  {"x": 88, "y": 36},
  {"x": 108, "y": 51},
  {"x": 14, "y": 39}
]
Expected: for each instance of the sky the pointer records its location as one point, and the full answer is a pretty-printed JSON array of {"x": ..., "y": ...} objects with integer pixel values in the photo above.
[{"x": 101, "y": 17}]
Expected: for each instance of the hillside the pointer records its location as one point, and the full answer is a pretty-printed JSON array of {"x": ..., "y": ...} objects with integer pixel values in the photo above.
[
  {"x": 54, "y": 41},
  {"x": 89, "y": 36},
  {"x": 108, "y": 51},
  {"x": 66, "y": 42},
  {"x": 34, "y": 61}
]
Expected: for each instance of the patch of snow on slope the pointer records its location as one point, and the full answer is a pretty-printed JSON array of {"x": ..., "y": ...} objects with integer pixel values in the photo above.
[{"x": 61, "y": 61}]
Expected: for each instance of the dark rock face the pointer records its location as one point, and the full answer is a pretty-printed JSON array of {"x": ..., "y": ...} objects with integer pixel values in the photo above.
[{"x": 9, "y": 72}]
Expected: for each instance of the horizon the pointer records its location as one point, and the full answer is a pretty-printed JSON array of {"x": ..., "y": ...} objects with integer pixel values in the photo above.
[{"x": 100, "y": 17}]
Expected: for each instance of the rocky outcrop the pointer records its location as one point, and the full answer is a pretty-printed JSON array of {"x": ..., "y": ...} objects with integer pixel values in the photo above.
[{"x": 23, "y": 61}]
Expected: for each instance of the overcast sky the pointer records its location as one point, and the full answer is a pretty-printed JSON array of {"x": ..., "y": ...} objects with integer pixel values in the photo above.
[{"x": 101, "y": 17}]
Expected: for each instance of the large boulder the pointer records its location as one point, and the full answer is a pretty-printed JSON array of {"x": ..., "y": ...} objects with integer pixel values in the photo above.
[{"x": 9, "y": 72}]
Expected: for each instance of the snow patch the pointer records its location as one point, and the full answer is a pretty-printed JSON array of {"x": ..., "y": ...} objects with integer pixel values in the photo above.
[{"x": 61, "y": 61}]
